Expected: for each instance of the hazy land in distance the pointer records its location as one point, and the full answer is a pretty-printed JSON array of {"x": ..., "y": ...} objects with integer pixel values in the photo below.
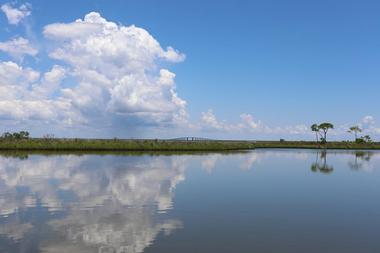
[{"x": 64, "y": 144}]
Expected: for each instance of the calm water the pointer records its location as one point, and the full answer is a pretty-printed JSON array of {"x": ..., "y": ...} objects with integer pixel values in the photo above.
[{"x": 260, "y": 201}]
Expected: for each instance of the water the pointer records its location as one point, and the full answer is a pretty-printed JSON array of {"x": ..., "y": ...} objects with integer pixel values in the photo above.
[{"x": 259, "y": 201}]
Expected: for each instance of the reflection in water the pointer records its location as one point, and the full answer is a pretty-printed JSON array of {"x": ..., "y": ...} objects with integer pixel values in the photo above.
[
  {"x": 245, "y": 160},
  {"x": 124, "y": 203},
  {"x": 95, "y": 204},
  {"x": 320, "y": 163},
  {"x": 362, "y": 160},
  {"x": 209, "y": 162}
]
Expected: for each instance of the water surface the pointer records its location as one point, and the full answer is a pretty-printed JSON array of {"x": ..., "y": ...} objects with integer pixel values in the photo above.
[{"x": 260, "y": 201}]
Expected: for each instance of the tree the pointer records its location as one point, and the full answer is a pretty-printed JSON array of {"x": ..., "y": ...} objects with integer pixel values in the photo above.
[
  {"x": 325, "y": 127},
  {"x": 367, "y": 139},
  {"x": 6, "y": 135},
  {"x": 355, "y": 130},
  {"x": 24, "y": 134},
  {"x": 16, "y": 135},
  {"x": 20, "y": 135},
  {"x": 315, "y": 128}
]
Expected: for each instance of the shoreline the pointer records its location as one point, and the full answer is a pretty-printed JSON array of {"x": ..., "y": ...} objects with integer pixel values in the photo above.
[
  {"x": 344, "y": 145},
  {"x": 114, "y": 145},
  {"x": 136, "y": 145}
]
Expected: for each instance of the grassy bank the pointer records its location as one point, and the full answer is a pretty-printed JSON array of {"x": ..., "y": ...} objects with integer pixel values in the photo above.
[
  {"x": 165, "y": 145},
  {"x": 313, "y": 145},
  {"x": 121, "y": 145}
]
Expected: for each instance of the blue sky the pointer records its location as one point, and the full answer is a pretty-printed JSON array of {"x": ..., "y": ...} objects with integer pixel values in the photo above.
[{"x": 286, "y": 64}]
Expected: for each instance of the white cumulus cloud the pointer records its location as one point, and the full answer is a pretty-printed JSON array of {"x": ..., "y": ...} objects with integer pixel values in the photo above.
[
  {"x": 210, "y": 122},
  {"x": 15, "y": 80},
  {"x": 368, "y": 125},
  {"x": 118, "y": 70},
  {"x": 248, "y": 125},
  {"x": 113, "y": 73},
  {"x": 18, "y": 47},
  {"x": 25, "y": 95},
  {"x": 248, "y": 120},
  {"x": 368, "y": 120},
  {"x": 16, "y": 15}
]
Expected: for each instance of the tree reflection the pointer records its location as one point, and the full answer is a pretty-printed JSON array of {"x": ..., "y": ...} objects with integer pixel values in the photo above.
[
  {"x": 320, "y": 164},
  {"x": 362, "y": 158}
]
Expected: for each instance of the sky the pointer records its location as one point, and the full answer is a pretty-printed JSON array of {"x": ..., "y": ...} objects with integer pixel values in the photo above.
[{"x": 164, "y": 69}]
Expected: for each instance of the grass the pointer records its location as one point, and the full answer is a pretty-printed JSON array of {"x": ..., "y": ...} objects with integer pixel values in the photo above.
[
  {"x": 89, "y": 145},
  {"x": 313, "y": 145},
  {"x": 121, "y": 145}
]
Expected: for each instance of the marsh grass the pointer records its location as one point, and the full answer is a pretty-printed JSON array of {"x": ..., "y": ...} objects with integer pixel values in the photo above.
[
  {"x": 89, "y": 145},
  {"x": 313, "y": 145},
  {"x": 121, "y": 145}
]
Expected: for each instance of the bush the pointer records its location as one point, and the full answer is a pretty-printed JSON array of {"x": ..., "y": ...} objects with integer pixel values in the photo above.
[
  {"x": 16, "y": 135},
  {"x": 6, "y": 135},
  {"x": 363, "y": 139},
  {"x": 367, "y": 139},
  {"x": 359, "y": 141}
]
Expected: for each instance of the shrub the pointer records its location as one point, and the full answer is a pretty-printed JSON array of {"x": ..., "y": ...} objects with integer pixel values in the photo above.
[
  {"x": 16, "y": 135},
  {"x": 359, "y": 141}
]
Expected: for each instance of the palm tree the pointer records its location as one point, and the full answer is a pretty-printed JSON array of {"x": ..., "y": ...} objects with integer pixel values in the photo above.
[
  {"x": 325, "y": 127},
  {"x": 315, "y": 128},
  {"x": 355, "y": 130}
]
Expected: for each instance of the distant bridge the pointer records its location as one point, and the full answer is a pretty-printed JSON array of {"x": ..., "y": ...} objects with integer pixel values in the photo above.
[{"x": 190, "y": 139}]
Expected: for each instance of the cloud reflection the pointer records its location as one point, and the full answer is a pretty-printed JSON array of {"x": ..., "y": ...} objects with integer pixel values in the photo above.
[{"x": 107, "y": 203}]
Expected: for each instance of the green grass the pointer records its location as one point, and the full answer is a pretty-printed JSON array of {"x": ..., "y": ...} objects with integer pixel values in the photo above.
[
  {"x": 314, "y": 145},
  {"x": 89, "y": 145},
  {"x": 121, "y": 145}
]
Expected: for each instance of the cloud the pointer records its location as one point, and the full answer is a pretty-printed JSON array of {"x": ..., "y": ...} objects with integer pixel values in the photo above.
[
  {"x": 368, "y": 125},
  {"x": 25, "y": 95},
  {"x": 115, "y": 75},
  {"x": 368, "y": 120},
  {"x": 249, "y": 122},
  {"x": 50, "y": 82},
  {"x": 130, "y": 46},
  {"x": 13, "y": 74},
  {"x": 75, "y": 30},
  {"x": 248, "y": 125},
  {"x": 118, "y": 70},
  {"x": 299, "y": 129},
  {"x": 18, "y": 47},
  {"x": 16, "y": 15},
  {"x": 209, "y": 121},
  {"x": 46, "y": 111},
  {"x": 15, "y": 80}
]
